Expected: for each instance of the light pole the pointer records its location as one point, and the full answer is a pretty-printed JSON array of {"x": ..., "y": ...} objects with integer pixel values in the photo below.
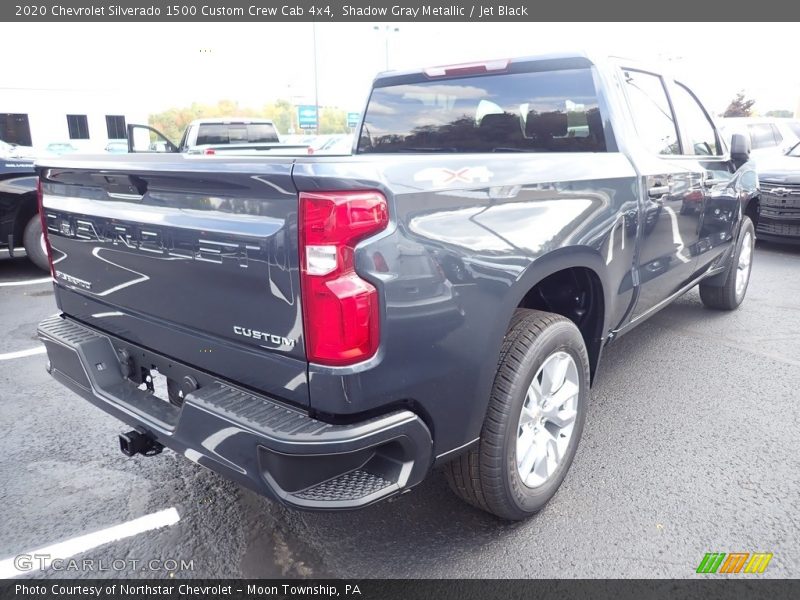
[
  {"x": 316, "y": 81},
  {"x": 387, "y": 30}
]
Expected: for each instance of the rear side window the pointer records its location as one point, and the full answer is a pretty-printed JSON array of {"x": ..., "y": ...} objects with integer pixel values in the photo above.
[
  {"x": 651, "y": 112},
  {"x": 218, "y": 134},
  {"x": 764, "y": 135},
  {"x": 551, "y": 111},
  {"x": 694, "y": 121}
]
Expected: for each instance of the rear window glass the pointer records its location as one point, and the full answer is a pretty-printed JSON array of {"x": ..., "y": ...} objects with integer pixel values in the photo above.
[
  {"x": 551, "y": 111},
  {"x": 236, "y": 133}
]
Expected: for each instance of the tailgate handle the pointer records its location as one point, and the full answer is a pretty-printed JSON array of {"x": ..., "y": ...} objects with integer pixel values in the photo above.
[{"x": 122, "y": 187}]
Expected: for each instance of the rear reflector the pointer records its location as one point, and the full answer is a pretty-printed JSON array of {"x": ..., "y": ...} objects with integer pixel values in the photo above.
[
  {"x": 340, "y": 310},
  {"x": 468, "y": 68}
]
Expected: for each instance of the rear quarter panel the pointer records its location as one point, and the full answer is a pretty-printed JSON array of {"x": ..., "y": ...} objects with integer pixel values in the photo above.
[{"x": 469, "y": 236}]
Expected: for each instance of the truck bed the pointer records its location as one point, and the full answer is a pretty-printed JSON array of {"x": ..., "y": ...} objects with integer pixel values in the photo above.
[{"x": 194, "y": 256}]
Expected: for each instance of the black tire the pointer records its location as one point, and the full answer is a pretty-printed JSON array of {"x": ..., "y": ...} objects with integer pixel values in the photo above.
[
  {"x": 486, "y": 476},
  {"x": 33, "y": 241},
  {"x": 725, "y": 296}
]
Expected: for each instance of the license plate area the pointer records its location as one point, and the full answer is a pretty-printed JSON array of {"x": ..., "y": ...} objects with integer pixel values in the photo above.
[
  {"x": 156, "y": 384},
  {"x": 161, "y": 378}
]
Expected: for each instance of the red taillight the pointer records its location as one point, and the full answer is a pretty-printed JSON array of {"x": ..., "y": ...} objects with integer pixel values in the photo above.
[
  {"x": 341, "y": 316},
  {"x": 209, "y": 151},
  {"x": 43, "y": 219}
]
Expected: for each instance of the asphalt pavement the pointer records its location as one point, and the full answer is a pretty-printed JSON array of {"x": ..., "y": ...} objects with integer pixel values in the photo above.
[{"x": 690, "y": 446}]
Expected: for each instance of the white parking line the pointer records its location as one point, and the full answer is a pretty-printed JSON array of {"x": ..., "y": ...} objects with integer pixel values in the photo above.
[
  {"x": 23, "y": 353},
  {"x": 26, "y": 282},
  {"x": 84, "y": 543}
]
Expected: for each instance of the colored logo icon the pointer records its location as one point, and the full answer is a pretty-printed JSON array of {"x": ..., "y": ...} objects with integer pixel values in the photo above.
[{"x": 735, "y": 562}]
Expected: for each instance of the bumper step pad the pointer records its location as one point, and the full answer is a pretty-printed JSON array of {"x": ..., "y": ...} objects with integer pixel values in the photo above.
[{"x": 347, "y": 487}]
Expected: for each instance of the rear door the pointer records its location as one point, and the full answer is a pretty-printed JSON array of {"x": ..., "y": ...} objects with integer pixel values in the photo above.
[
  {"x": 192, "y": 257},
  {"x": 674, "y": 192},
  {"x": 704, "y": 151}
]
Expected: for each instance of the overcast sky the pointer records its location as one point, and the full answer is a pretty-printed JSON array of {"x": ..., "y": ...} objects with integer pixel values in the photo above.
[{"x": 167, "y": 64}]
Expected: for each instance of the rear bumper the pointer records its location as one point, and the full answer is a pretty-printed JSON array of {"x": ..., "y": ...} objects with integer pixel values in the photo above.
[{"x": 275, "y": 449}]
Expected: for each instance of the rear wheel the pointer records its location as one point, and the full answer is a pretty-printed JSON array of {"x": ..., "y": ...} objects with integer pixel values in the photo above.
[
  {"x": 535, "y": 418},
  {"x": 731, "y": 293},
  {"x": 33, "y": 240}
]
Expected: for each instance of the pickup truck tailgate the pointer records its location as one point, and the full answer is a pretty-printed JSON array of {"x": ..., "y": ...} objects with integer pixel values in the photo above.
[{"x": 195, "y": 256}]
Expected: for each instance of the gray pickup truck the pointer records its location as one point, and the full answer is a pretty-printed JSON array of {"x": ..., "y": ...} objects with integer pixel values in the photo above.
[{"x": 327, "y": 330}]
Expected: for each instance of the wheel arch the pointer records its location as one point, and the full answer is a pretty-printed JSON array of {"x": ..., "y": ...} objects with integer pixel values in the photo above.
[
  {"x": 752, "y": 207},
  {"x": 588, "y": 266},
  {"x": 583, "y": 258},
  {"x": 28, "y": 208}
]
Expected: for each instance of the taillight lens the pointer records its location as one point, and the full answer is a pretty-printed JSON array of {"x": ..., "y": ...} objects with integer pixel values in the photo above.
[
  {"x": 341, "y": 313},
  {"x": 43, "y": 219}
]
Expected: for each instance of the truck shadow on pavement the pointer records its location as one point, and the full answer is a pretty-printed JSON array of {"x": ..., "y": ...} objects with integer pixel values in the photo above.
[
  {"x": 18, "y": 269},
  {"x": 429, "y": 532},
  {"x": 653, "y": 386}
]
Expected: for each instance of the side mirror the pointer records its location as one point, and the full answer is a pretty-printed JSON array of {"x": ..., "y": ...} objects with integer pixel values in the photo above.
[{"x": 740, "y": 149}]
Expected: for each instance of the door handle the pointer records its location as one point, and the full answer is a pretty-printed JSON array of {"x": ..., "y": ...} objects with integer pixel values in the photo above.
[{"x": 658, "y": 191}]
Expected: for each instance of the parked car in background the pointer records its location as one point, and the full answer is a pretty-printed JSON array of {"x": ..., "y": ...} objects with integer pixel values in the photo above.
[
  {"x": 299, "y": 139},
  {"x": 240, "y": 135},
  {"x": 15, "y": 151},
  {"x": 332, "y": 328},
  {"x": 117, "y": 147},
  {"x": 340, "y": 143},
  {"x": 19, "y": 211},
  {"x": 768, "y": 136},
  {"x": 778, "y": 209},
  {"x": 59, "y": 148}
]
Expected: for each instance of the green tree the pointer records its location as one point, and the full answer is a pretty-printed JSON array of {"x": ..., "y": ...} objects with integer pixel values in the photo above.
[
  {"x": 332, "y": 120},
  {"x": 739, "y": 107},
  {"x": 282, "y": 113}
]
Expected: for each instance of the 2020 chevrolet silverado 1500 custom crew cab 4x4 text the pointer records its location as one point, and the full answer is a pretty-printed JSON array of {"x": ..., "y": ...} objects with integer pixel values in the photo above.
[{"x": 330, "y": 328}]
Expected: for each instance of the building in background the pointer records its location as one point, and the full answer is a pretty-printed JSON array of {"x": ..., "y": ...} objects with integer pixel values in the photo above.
[{"x": 85, "y": 119}]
